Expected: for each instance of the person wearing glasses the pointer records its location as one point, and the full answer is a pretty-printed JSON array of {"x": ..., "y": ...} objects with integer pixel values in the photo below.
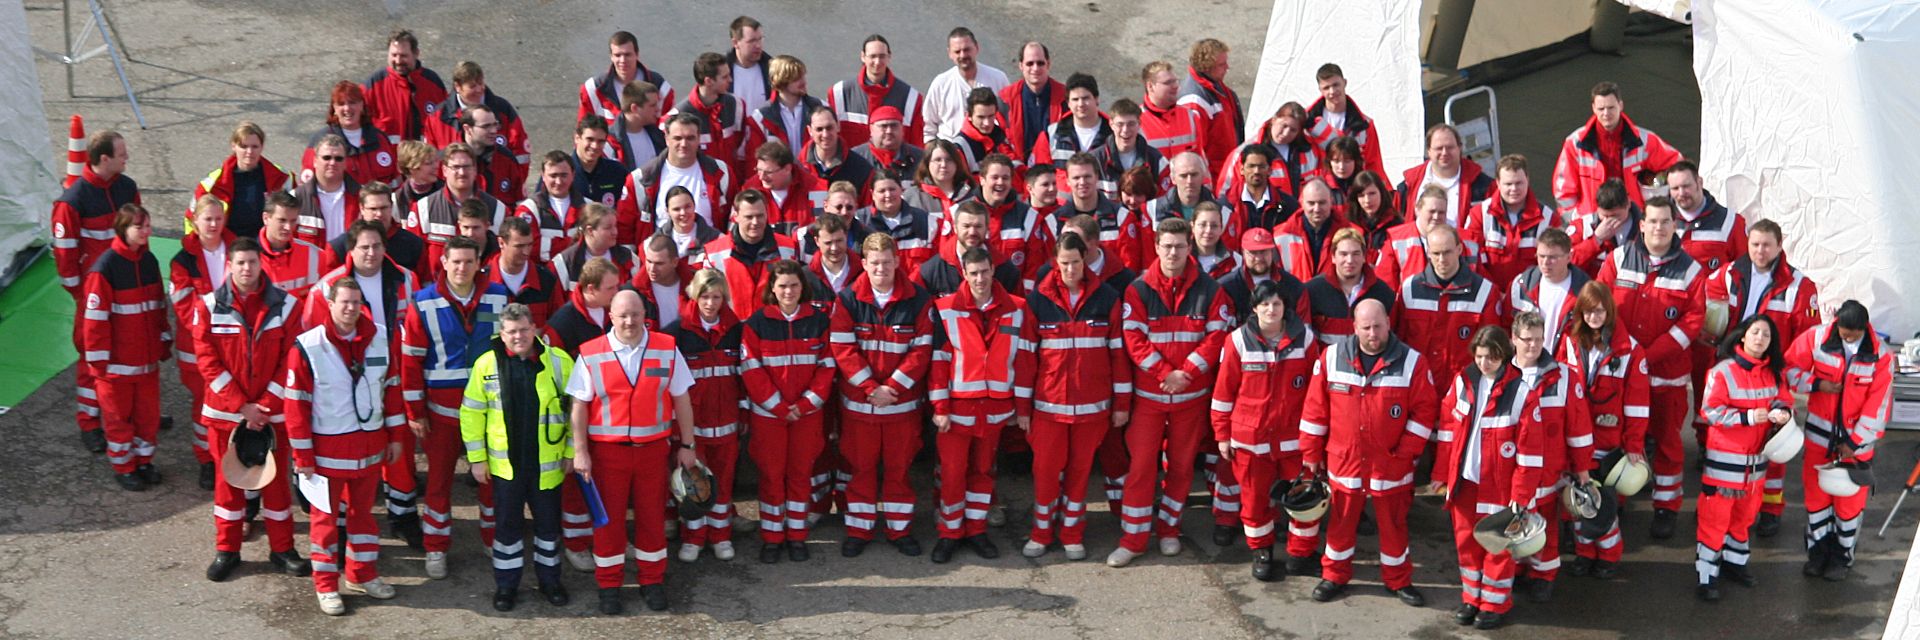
[
  {"x": 1507, "y": 227},
  {"x": 436, "y": 217},
  {"x": 501, "y": 174},
  {"x": 330, "y": 200}
]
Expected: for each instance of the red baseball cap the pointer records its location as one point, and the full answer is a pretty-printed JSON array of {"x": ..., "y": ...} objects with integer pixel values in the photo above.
[
  {"x": 1257, "y": 239},
  {"x": 883, "y": 114}
]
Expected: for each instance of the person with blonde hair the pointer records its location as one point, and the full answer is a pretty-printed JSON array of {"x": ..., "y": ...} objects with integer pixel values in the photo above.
[{"x": 708, "y": 336}]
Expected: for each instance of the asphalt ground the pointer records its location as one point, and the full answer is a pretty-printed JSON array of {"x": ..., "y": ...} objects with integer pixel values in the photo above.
[{"x": 80, "y": 558}]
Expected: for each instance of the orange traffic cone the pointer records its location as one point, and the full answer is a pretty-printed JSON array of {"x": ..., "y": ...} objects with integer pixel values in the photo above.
[{"x": 76, "y": 150}]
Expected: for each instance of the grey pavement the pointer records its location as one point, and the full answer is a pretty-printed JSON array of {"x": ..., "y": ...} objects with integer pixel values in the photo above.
[{"x": 79, "y": 558}]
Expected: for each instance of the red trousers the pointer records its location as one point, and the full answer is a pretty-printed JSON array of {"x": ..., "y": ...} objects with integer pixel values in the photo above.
[
  {"x": 1159, "y": 431},
  {"x": 966, "y": 478},
  {"x": 1113, "y": 461},
  {"x": 352, "y": 497},
  {"x": 1724, "y": 525},
  {"x": 197, "y": 389},
  {"x": 403, "y": 489},
  {"x": 719, "y": 454},
  {"x": 831, "y": 469},
  {"x": 130, "y": 414},
  {"x": 1546, "y": 564},
  {"x": 576, "y": 521},
  {"x": 784, "y": 452},
  {"x": 878, "y": 453},
  {"x": 1342, "y": 522},
  {"x": 86, "y": 403},
  {"x": 1258, "y": 516},
  {"x": 1606, "y": 548},
  {"x": 1486, "y": 579},
  {"x": 1062, "y": 459},
  {"x": 631, "y": 477},
  {"x": 1828, "y": 515},
  {"x": 1225, "y": 485},
  {"x": 230, "y": 502},
  {"x": 1666, "y": 416},
  {"x": 444, "y": 450}
]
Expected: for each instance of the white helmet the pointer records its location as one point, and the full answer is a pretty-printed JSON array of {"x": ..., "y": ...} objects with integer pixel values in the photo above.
[
  {"x": 1581, "y": 499},
  {"x": 1625, "y": 476},
  {"x": 1524, "y": 533},
  {"x": 1306, "y": 500},
  {"x": 1717, "y": 316},
  {"x": 1839, "y": 480},
  {"x": 1785, "y": 444}
]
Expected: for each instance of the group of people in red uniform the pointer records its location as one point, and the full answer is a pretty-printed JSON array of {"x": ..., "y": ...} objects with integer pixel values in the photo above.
[{"x": 824, "y": 284}]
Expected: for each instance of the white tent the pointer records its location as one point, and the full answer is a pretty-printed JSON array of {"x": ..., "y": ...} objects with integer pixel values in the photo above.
[
  {"x": 1807, "y": 112},
  {"x": 28, "y": 181},
  {"x": 1382, "y": 68}
]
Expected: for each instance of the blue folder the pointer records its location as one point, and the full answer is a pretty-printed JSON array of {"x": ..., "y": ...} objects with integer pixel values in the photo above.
[{"x": 594, "y": 506}]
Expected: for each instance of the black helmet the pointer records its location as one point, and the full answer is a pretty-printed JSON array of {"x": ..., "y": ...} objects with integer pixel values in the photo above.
[
  {"x": 1602, "y": 521},
  {"x": 693, "y": 491},
  {"x": 1306, "y": 500}
]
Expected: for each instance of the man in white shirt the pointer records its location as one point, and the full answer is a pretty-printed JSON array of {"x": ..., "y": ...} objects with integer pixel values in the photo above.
[
  {"x": 749, "y": 61},
  {"x": 945, "y": 104},
  {"x": 663, "y": 277},
  {"x": 682, "y": 165},
  {"x": 1550, "y": 286}
]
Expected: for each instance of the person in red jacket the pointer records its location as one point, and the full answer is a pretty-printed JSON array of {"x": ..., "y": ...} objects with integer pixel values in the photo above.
[
  {"x": 330, "y": 200},
  {"x": 1847, "y": 372},
  {"x": 1293, "y": 156},
  {"x": 882, "y": 342},
  {"x": 1442, "y": 306},
  {"x": 1507, "y": 228},
  {"x": 603, "y": 95},
  {"x": 1171, "y": 126},
  {"x": 722, "y": 116},
  {"x": 708, "y": 336},
  {"x": 915, "y": 231},
  {"x": 1566, "y": 443},
  {"x": 501, "y": 173},
  {"x": 1599, "y": 352},
  {"x": 788, "y": 373},
  {"x": 1305, "y": 241},
  {"x": 1608, "y": 147},
  {"x": 598, "y": 233},
  {"x": 1264, "y": 369},
  {"x": 789, "y": 186},
  {"x": 344, "y": 416},
  {"x": 743, "y": 254},
  {"x": 1335, "y": 115},
  {"x": 1121, "y": 227},
  {"x": 436, "y": 217},
  {"x": 981, "y": 381},
  {"x": 643, "y": 198},
  {"x": 243, "y": 181},
  {"x": 1372, "y": 207},
  {"x": 886, "y": 148},
  {"x": 1549, "y": 287},
  {"x": 1748, "y": 398},
  {"x": 241, "y": 332},
  {"x": 198, "y": 268},
  {"x": 83, "y": 217},
  {"x": 1661, "y": 292},
  {"x": 874, "y": 87},
  {"x": 1253, "y": 195},
  {"x": 1463, "y": 181},
  {"x": 552, "y": 209},
  {"x": 1761, "y": 282},
  {"x": 527, "y": 281},
  {"x": 1368, "y": 415},
  {"x": 372, "y": 154},
  {"x": 124, "y": 335},
  {"x": 1209, "y": 247},
  {"x": 1405, "y": 254},
  {"x": 1331, "y": 297},
  {"x": 1082, "y": 391},
  {"x": 981, "y": 133},
  {"x": 1205, "y": 86},
  {"x": 1615, "y": 222},
  {"x": 1491, "y": 450},
  {"x": 292, "y": 264},
  {"x": 1028, "y": 108},
  {"x": 470, "y": 91},
  {"x": 1175, "y": 322},
  {"x": 404, "y": 95}
]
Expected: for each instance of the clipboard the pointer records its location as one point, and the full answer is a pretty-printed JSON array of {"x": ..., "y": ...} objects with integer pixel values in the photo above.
[
  {"x": 313, "y": 487},
  {"x": 594, "y": 506}
]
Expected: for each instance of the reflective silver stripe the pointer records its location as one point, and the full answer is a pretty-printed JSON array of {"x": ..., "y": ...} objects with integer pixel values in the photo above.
[
  {"x": 1073, "y": 343},
  {"x": 348, "y": 465},
  {"x": 626, "y": 431},
  {"x": 715, "y": 432},
  {"x": 125, "y": 370},
  {"x": 1170, "y": 399},
  {"x": 1088, "y": 409}
]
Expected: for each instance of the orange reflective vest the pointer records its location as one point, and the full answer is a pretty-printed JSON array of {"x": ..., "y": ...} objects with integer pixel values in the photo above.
[{"x": 629, "y": 410}]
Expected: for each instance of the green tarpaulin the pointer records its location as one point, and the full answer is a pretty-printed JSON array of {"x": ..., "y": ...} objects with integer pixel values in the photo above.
[{"x": 36, "y": 326}]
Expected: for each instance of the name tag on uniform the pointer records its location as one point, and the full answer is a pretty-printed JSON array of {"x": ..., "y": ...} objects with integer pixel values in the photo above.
[
  {"x": 1339, "y": 387},
  {"x": 1049, "y": 326},
  {"x": 1010, "y": 330},
  {"x": 1261, "y": 366},
  {"x": 657, "y": 372},
  {"x": 376, "y": 361},
  {"x": 223, "y": 330}
]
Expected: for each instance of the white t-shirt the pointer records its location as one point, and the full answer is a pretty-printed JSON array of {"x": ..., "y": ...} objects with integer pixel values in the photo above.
[
  {"x": 353, "y": 136},
  {"x": 333, "y": 209},
  {"x": 466, "y": 299},
  {"x": 1335, "y": 119},
  {"x": 643, "y": 151},
  {"x": 880, "y": 298},
  {"x": 560, "y": 206},
  {"x": 836, "y": 281},
  {"x": 693, "y": 179},
  {"x": 1553, "y": 298},
  {"x": 944, "y": 105},
  {"x": 372, "y": 289},
  {"x": 749, "y": 87},
  {"x": 1207, "y": 262},
  {"x": 668, "y": 297},
  {"x": 1470, "y": 467},
  {"x": 1452, "y": 185},
  {"x": 216, "y": 258},
  {"x": 580, "y": 383},
  {"x": 684, "y": 241},
  {"x": 1852, "y": 348},
  {"x": 598, "y": 314},
  {"x": 1757, "y": 287},
  {"x": 794, "y": 121},
  {"x": 779, "y": 197},
  {"x": 515, "y": 281},
  {"x": 1085, "y": 135}
]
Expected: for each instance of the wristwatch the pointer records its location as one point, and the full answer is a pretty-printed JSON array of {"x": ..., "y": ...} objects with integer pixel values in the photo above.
[{"x": 686, "y": 445}]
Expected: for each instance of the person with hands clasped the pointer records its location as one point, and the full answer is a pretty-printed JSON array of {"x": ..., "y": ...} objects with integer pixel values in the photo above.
[
  {"x": 1601, "y": 354},
  {"x": 788, "y": 372},
  {"x": 1264, "y": 370},
  {"x": 630, "y": 391},
  {"x": 1746, "y": 400},
  {"x": 1848, "y": 373}
]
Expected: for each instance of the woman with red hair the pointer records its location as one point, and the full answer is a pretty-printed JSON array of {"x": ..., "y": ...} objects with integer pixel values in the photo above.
[{"x": 370, "y": 153}]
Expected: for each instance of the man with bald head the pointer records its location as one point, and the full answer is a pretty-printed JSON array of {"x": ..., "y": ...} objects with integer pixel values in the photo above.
[
  {"x": 1305, "y": 241},
  {"x": 1370, "y": 409},
  {"x": 1441, "y": 306},
  {"x": 622, "y": 384}
]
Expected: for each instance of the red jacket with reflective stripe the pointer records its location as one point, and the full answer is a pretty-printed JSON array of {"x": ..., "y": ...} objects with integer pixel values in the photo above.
[
  {"x": 1864, "y": 404},
  {"x": 597, "y": 94},
  {"x": 1663, "y": 304},
  {"x": 293, "y": 269},
  {"x": 187, "y": 280},
  {"x": 785, "y": 363},
  {"x": 1716, "y": 237},
  {"x": 1405, "y": 255},
  {"x": 1357, "y": 126},
  {"x": 219, "y": 182},
  {"x": 123, "y": 326},
  {"x": 1791, "y": 299},
  {"x": 878, "y": 345},
  {"x": 554, "y": 231},
  {"x": 746, "y": 273},
  {"x": 1512, "y": 440},
  {"x": 1578, "y": 173},
  {"x": 854, "y": 99},
  {"x": 796, "y": 211},
  {"x": 1618, "y": 394},
  {"x": 402, "y": 104},
  {"x": 713, "y": 356},
  {"x": 724, "y": 133},
  {"x": 241, "y": 347},
  {"x": 983, "y": 364},
  {"x": 1258, "y": 395},
  {"x": 1013, "y": 113},
  {"x": 1176, "y": 129},
  {"x": 1439, "y": 319},
  {"x": 1507, "y": 245},
  {"x": 1174, "y": 325},
  {"x": 1083, "y": 371},
  {"x": 635, "y": 214},
  {"x": 1566, "y": 436},
  {"x": 1734, "y": 386},
  {"x": 1296, "y": 252},
  {"x": 1367, "y": 426},
  {"x": 83, "y": 223}
]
